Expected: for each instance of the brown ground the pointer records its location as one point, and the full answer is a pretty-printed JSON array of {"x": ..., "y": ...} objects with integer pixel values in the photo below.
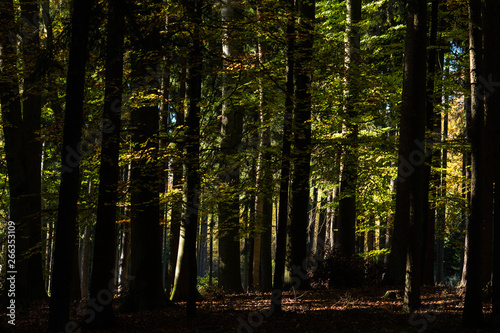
[{"x": 340, "y": 310}]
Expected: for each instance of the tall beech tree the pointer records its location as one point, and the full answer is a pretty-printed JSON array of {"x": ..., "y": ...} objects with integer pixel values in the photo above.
[
  {"x": 411, "y": 190},
  {"x": 282, "y": 223},
  {"x": 191, "y": 161},
  {"x": 348, "y": 178},
  {"x": 146, "y": 288},
  {"x": 70, "y": 172},
  {"x": 301, "y": 128},
  {"x": 473, "y": 315},
  {"x": 231, "y": 132},
  {"x": 105, "y": 234},
  {"x": 21, "y": 116},
  {"x": 492, "y": 105}
]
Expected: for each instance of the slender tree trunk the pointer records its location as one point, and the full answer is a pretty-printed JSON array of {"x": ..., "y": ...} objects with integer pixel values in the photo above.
[
  {"x": 70, "y": 173},
  {"x": 186, "y": 258},
  {"x": 433, "y": 127},
  {"x": 282, "y": 223},
  {"x": 412, "y": 138},
  {"x": 231, "y": 130},
  {"x": 105, "y": 231},
  {"x": 441, "y": 210},
  {"x": 301, "y": 143},
  {"x": 265, "y": 181},
  {"x": 472, "y": 314},
  {"x": 466, "y": 193},
  {"x": 176, "y": 215},
  {"x": 348, "y": 178}
]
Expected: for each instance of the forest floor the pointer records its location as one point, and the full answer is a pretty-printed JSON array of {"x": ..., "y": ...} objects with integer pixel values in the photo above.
[{"x": 338, "y": 310}]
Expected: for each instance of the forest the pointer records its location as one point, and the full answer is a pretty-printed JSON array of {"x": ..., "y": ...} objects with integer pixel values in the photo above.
[{"x": 249, "y": 166}]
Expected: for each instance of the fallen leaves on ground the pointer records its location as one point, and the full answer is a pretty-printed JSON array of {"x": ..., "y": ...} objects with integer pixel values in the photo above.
[{"x": 338, "y": 310}]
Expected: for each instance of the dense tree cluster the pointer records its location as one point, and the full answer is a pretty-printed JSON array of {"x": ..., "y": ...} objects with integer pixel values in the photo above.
[{"x": 149, "y": 146}]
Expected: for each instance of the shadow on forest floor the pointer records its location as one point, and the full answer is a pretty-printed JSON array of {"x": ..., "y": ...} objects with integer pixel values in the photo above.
[{"x": 339, "y": 310}]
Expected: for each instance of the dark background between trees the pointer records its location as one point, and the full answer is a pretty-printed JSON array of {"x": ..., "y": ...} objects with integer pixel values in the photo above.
[{"x": 158, "y": 151}]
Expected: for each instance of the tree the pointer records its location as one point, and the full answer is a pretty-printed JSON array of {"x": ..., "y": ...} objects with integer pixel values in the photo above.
[
  {"x": 191, "y": 162},
  {"x": 348, "y": 178},
  {"x": 492, "y": 105},
  {"x": 21, "y": 116},
  {"x": 146, "y": 288},
  {"x": 282, "y": 223},
  {"x": 472, "y": 315},
  {"x": 412, "y": 137},
  {"x": 231, "y": 132},
  {"x": 105, "y": 235},
  {"x": 70, "y": 172},
  {"x": 301, "y": 128}
]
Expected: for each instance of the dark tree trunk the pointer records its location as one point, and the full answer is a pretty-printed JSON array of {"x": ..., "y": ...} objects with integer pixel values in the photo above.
[
  {"x": 301, "y": 143},
  {"x": 231, "y": 130},
  {"x": 186, "y": 258},
  {"x": 23, "y": 149},
  {"x": 433, "y": 126},
  {"x": 472, "y": 315},
  {"x": 409, "y": 190},
  {"x": 282, "y": 223},
  {"x": 412, "y": 138},
  {"x": 265, "y": 182},
  {"x": 146, "y": 288},
  {"x": 349, "y": 164},
  {"x": 70, "y": 173},
  {"x": 105, "y": 234},
  {"x": 492, "y": 106}
]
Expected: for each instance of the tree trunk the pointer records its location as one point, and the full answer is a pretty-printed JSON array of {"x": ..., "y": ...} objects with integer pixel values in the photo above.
[
  {"x": 282, "y": 223},
  {"x": 231, "y": 131},
  {"x": 265, "y": 182},
  {"x": 441, "y": 210},
  {"x": 301, "y": 143},
  {"x": 146, "y": 288},
  {"x": 433, "y": 127},
  {"x": 349, "y": 172},
  {"x": 105, "y": 232},
  {"x": 176, "y": 214},
  {"x": 70, "y": 173},
  {"x": 23, "y": 149},
  {"x": 492, "y": 106},
  {"x": 412, "y": 138},
  {"x": 472, "y": 314},
  {"x": 186, "y": 258}
]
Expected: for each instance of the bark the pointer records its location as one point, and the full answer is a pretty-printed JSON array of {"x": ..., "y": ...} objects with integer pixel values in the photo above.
[
  {"x": 466, "y": 193},
  {"x": 282, "y": 223},
  {"x": 488, "y": 145},
  {"x": 472, "y": 314},
  {"x": 191, "y": 193},
  {"x": 492, "y": 105},
  {"x": 441, "y": 210},
  {"x": 264, "y": 203},
  {"x": 146, "y": 288},
  {"x": 301, "y": 142},
  {"x": 433, "y": 127},
  {"x": 231, "y": 131},
  {"x": 412, "y": 138},
  {"x": 176, "y": 215},
  {"x": 23, "y": 148},
  {"x": 349, "y": 172},
  {"x": 105, "y": 232},
  {"x": 70, "y": 173}
]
